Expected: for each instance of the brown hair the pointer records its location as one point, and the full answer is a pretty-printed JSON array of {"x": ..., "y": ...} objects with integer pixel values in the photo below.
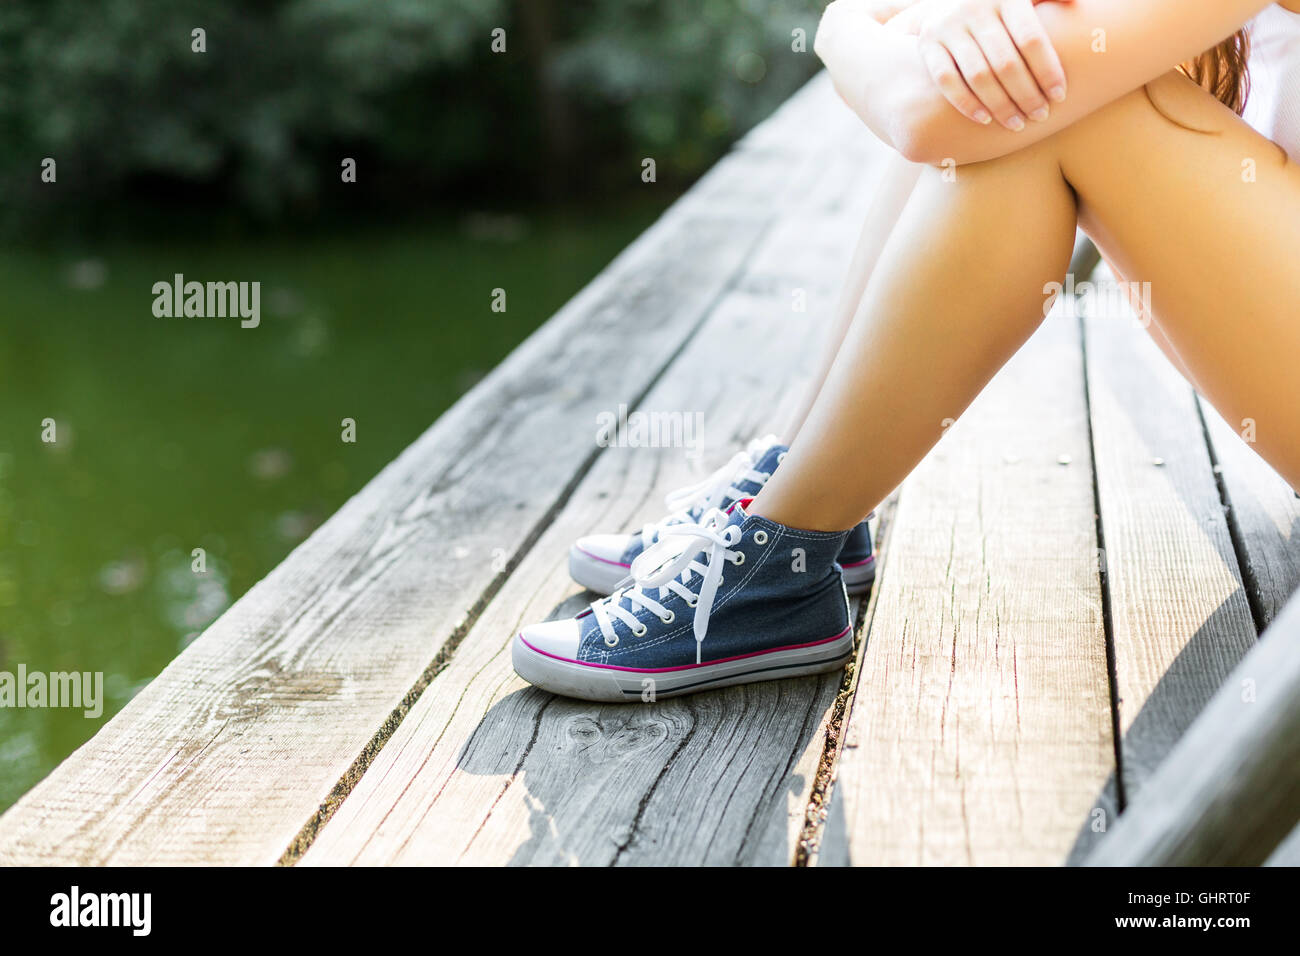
[{"x": 1222, "y": 71}]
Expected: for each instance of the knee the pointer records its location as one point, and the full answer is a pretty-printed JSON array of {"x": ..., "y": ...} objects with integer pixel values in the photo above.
[
  {"x": 1025, "y": 165},
  {"x": 1169, "y": 104},
  {"x": 1177, "y": 100}
]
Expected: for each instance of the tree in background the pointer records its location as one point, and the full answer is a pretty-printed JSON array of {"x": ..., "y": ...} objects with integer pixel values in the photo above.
[{"x": 257, "y": 124}]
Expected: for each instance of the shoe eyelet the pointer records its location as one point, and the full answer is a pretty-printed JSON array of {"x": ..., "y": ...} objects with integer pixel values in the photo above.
[
  {"x": 611, "y": 641},
  {"x": 693, "y": 603},
  {"x": 781, "y": 457},
  {"x": 670, "y": 617},
  {"x": 760, "y": 536},
  {"x": 642, "y": 632},
  {"x": 740, "y": 559}
]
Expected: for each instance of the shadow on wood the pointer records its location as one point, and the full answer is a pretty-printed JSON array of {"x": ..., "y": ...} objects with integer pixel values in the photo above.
[{"x": 1229, "y": 792}]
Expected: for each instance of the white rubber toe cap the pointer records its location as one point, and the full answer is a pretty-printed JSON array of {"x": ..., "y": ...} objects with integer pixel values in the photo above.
[
  {"x": 606, "y": 547},
  {"x": 556, "y": 638}
]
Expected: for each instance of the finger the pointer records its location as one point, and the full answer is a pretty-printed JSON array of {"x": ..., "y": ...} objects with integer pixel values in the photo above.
[
  {"x": 954, "y": 89},
  {"x": 977, "y": 73},
  {"x": 1009, "y": 68},
  {"x": 1035, "y": 46}
]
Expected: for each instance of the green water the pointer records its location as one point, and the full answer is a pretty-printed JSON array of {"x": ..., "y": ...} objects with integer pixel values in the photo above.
[{"x": 184, "y": 433}]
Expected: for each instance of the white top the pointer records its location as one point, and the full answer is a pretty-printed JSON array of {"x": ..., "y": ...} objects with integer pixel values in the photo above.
[{"x": 1274, "y": 104}]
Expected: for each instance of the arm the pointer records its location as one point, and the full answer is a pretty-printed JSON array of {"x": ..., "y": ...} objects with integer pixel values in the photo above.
[{"x": 880, "y": 74}]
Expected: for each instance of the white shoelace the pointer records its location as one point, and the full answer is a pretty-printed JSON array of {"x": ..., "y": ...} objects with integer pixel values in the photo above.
[
  {"x": 670, "y": 566},
  {"x": 713, "y": 491}
]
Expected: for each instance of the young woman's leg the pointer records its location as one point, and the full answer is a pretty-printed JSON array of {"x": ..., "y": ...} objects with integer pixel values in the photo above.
[
  {"x": 959, "y": 287},
  {"x": 887, "y": 201},
  {"x": 1218, "y": 246}
]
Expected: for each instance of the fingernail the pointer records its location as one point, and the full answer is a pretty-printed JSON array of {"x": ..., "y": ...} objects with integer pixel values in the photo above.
[
  {"x": 982, "y": 116},
  {"x": 1015, "y": 124},
  {"x": 1057, "y": 93},
  {"x": 1040, "y": 114}
]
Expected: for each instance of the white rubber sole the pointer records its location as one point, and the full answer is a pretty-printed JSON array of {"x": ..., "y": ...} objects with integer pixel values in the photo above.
[
  {"x": 603, "y": 577},
  {"x": 859, "y": 577},
  {"x": 597, "y": 682}
]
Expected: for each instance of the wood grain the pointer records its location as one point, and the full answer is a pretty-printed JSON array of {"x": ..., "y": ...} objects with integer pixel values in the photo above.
[
  {"x": 487, "y": 771},
  {"x": 980, "y": 731},
  {"x": 1265, "y": 514},
  {"x": 358, "y": 705},
  {"x": 1179, "y": 615},
  {"x": 1228, "y": 794},
  {"x": 1287, "y": 852},
  {"x": 264, "y": 723}
]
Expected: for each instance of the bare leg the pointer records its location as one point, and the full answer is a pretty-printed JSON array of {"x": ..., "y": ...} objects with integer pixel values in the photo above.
[
  {"x": 941, "y": 314},
  {"x": 958, "y": 289},
  {"x": 891, "y": 193}
]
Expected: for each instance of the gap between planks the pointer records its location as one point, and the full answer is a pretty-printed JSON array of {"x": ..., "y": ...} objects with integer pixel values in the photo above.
[
  {"x": 980, "y": 731},
  {"x": 1180, "y": 617},
  {"x": 488, "y": 771},
  {"x": 809, "y": 842},
  {"x": 240, "y": 740},
  {"x": 345, "y": 785}
]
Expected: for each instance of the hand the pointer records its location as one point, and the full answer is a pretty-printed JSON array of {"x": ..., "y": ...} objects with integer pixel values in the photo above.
[{"x": 992, "y": 59}]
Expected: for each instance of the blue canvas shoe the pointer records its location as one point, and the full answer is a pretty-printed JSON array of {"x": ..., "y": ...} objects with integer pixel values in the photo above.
[
  {"x": 857, "y": 559},
  {"x": 733, "y": 599},
  {"x": 602, "y": 562}
]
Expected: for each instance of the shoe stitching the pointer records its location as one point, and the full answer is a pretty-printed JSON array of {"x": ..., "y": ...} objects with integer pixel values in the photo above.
[{"x": 778, "y": 531}]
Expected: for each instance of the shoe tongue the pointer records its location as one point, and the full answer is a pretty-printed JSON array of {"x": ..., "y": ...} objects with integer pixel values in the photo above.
[
  {"x": 768, "y": 452},
  {"x": 739, "y": 509},
  {"x": 764, "y": 463}
]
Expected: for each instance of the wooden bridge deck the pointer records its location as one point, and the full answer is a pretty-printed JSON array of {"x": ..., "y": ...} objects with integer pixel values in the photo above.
[{"x": 1062, "y": 568}]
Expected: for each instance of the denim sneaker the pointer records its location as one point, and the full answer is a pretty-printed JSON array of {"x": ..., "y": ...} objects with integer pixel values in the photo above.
[
  {"x": 601, "y": 562},
  {"x": 780, "y": 610}
]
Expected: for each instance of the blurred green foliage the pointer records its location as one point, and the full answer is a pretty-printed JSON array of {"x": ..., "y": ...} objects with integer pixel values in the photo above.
[{"x": 257, "y": 125}]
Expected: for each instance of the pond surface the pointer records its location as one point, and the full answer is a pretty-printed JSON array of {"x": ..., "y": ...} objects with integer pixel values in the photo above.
[{"x": 176, "y": 434}]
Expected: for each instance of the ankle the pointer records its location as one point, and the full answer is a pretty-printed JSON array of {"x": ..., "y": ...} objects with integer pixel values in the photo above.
[{"x": 819, "y": 516}]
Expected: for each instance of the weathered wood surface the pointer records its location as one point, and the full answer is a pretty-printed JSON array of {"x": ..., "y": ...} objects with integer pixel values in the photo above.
[
  {"x": 980, "y": 728},
  {"x": 272, "y": 714},
  {"x": 359, "y": 705},
  {"x": 1287, "y": 852},
  {"x": 1265, "y": 515},
  {"x": 1229, "y": 792},
  {"x": 1180, "y": 620},
  {"x": 486, "y": 770}
]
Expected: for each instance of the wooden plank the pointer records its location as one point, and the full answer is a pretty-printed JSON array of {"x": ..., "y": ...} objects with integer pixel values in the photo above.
[
  {"x": 1180, "y": 620},
  {"x": 1287, "y": 852},
  {"x": 1229, "y": 791},
  {"x": 815, "y": 112},
  {"x": 808, "y": 852},
  {"x": 252, "y": 735},
  {"x": 808, "y": 157},
  {"x": 1264, "y": 514},
  {"x": 486, "y": 770},
  {"x": 980, "y": 730}
]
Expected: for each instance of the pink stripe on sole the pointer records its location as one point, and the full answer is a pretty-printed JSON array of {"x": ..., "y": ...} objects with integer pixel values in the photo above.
[
  {"x": 596, "y": 557},
  {"x": 683, "y": 667}
]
